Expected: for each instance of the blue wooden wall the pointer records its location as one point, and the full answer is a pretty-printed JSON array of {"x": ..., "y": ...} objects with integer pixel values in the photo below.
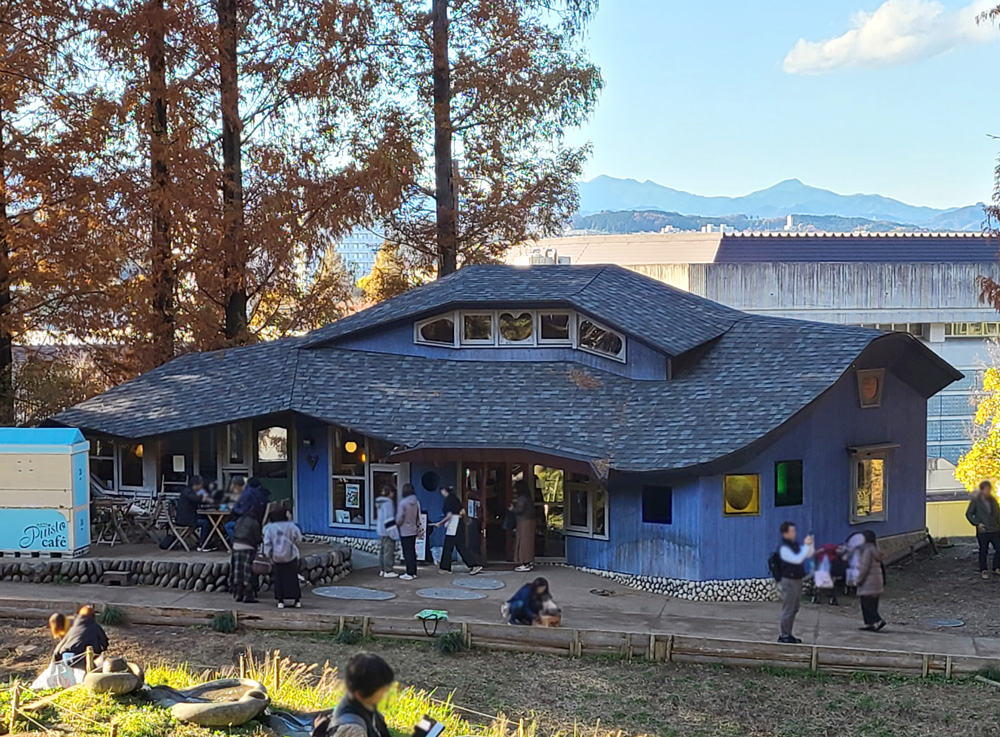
[
  {"x": 704, "y": 544},
  {"x": 644, "y": 548},
  {"x": 312, "y": 510},
  {"x": 643, "y": 362}
]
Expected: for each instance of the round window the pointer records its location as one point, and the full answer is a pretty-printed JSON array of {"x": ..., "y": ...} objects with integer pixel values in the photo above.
[
  {"x": 431, "y": 481},
  {"x": 739, "y": 492}
]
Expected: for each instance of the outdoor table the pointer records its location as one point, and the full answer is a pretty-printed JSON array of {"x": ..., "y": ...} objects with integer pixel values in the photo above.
[
  {"x": 218, "y": 518},
  {"x": 111, "y": 515}
]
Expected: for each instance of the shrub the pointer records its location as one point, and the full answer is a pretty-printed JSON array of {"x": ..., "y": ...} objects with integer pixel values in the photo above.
[
  {"x": 224, "y": 622},
  {"x": 111, "y": 616},
  {"x": 349, "y": 637},
  {"x": 450, "y": 643}
]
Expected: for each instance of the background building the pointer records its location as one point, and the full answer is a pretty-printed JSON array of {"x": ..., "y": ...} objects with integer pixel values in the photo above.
[
  {"x": 358, "y": 249},
  {"x": 921, "y": 283}
]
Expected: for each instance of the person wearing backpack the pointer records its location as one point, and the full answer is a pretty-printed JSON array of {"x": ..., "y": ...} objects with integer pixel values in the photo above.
[
  {"x": 367, "y": 681},
  {"x": 282, "y": 538},
  {"x": 790, "y": 560}
]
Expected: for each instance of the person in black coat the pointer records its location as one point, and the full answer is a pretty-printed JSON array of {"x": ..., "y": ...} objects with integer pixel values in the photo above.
[
  {"x": 83, "y": 633},
  {"x": 190, "y": 499}
]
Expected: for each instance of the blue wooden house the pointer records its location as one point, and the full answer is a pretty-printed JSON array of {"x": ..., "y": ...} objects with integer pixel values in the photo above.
[{"x": 664, "y": 435}]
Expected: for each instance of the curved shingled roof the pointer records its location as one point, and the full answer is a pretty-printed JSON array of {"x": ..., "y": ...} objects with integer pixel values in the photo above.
[
  {"x": 753, "y": 375},
  {"x": 666, "y": 318}
]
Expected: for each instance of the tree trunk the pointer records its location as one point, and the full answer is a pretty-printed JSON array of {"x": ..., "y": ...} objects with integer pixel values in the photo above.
[
  {"x": 233, "y": 245},
  {"x": 444, "y": 185},
  {"x": 7, "y": 416},
  {"x": 161, "y": 261}
]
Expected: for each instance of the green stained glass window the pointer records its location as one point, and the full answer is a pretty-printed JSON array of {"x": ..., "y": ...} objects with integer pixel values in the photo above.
[{"x": 787, "y": 483}]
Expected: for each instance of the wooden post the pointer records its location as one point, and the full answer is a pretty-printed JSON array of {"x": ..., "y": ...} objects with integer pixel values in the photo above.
[
  {"x": 926, "y": 666},
  {"x": 340, "y": 627},
  {"x": 466, "y": 635},
  {"x": 947, "y": 667},
  {"x": 243, "y": 666},
  {"x": 277, "y": 670},
  {"x": 670, "y": 649},
  {"x": 366, "y": 627},
  {"x": 90, "y": 659},
  {"x": 15, "y": 704},
  {"x": 652, "y": 647},
  {"x": 576, "y": 647},
  {"x": 628, "y": 646},
  {"x": 814, "y": 660}
]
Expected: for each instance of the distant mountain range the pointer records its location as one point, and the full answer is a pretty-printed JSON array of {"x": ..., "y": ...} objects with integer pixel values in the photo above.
[{"x": 607, "y": 194}]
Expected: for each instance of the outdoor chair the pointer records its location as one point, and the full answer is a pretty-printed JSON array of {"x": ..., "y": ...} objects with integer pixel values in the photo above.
[
  {"x": 145, "y": 516},
  {"x": 178, "y": 531}
]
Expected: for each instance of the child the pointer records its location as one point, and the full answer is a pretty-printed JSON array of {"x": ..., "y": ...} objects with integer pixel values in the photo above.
[
  {"x": 824, "y": 580},
  {"x": 84, "y": 632},
  {"x": 246, "y": 539},
  {"x": 367, "y": 681},
  {"x": 281, "y": 546},
  {"x": 388, "y": 532}
]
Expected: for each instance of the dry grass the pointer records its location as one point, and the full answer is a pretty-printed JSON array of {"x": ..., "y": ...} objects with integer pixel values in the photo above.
[{"x": 591, "y": 696}]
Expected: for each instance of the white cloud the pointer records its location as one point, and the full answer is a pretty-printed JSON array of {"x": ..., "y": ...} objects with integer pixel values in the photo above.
[{"x": 898, "y": 32}]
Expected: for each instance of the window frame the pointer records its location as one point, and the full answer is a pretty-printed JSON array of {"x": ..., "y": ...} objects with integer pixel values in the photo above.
[
  {"x": 736, "y": 512},
  {"x": 658, "y": 489},
  {"x": 113, "y": 458},
  {"x": 530, "y": 341},
  {"x": 454, "y": 316},
  {"x": 247, "y": 451},
  {"x": 620, "y": 357},
  {"x": 365, "y": 480},
  {"x": 856, "y": 458},
  {"x": 802, "y": 479},
  {"x": 570, "y": 341},
  {"x": 492, "y": 314},
  {"x": 591, "y": 488}
]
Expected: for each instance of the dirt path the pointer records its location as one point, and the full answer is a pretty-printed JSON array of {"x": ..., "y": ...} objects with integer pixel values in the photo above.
[{"x": 563, "y": 694}]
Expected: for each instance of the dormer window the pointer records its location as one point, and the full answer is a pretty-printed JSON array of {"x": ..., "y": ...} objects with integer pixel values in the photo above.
[
  {"x": 595, "y": 338},
  {"x": 519, "y": 328},
  {"x": 477, "y": 328},
  {"x": 437, "y": 331}
]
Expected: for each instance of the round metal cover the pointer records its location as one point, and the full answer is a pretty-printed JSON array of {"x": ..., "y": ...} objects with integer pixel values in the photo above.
[
  {"x": 945, "y": 622},
  {"x": 450, "y": 594},
  {"x": 353, "y": 592},
  {"x": 479, "y": 582}
]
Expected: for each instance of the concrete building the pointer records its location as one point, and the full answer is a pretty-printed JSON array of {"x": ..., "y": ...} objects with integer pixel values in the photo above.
[
  {"x": 921, "y": 283},
  {"x": 358, "y": 249}
]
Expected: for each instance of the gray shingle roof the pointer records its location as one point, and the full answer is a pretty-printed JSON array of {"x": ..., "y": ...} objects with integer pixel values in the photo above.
[
  {"x": 753, "y": 379},
  {"x": 666, "y": 318}
]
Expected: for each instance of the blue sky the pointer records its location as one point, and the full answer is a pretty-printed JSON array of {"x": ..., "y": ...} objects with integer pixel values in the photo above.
[{"x": 894, "y": 97}]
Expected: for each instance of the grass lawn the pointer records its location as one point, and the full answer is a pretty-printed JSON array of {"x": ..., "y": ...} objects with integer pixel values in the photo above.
[{"x": 554, "y": 695}]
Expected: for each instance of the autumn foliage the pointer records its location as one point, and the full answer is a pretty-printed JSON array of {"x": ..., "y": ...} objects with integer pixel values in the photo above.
[{"x": 174, "y": 173}]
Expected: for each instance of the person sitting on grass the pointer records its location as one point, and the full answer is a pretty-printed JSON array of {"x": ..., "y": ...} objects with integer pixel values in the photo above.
[
  {"x": 367, "y": 681},
  {"x": 526, "y": 606},
  {"x": 83, "y": 633},
  {"x": 58, "y": 625}
]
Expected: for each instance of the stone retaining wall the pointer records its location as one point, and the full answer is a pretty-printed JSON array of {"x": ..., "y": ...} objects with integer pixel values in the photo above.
[{"x": 319, "y": 569}]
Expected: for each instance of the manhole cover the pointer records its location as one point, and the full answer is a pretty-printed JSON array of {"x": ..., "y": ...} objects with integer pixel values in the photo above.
[
  {"x": 479, "y": 582},
  {"x": 353, "y": 592},
  {"x": 945, "y": 622},
  {"x": 450, "y": 594}
]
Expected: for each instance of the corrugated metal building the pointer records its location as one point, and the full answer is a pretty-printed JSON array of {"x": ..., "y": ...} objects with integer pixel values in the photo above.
[{"x": 921, "y": 283}]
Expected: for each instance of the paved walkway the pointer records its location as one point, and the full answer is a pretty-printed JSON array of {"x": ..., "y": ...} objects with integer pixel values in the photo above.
[{"x": 625, "y": 610}]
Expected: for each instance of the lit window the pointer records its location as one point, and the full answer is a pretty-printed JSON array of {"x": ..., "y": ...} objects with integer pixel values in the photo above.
[
  {"x": 349, "y": 490},
  {"x": 601, "y": 340},
  {"x": 741, "y": 494},
  {"x": 130, "y": 465},
  {"x": 787, "y": 483},
  {"x": 554, "y": 328},
  {"x": 438, "y": 331},
  {"x": 477, "y": 328},
  {"x": 516, "y": 327},
  {"x": 868, "y": 482},
  {"x": 657, "y": 505}
]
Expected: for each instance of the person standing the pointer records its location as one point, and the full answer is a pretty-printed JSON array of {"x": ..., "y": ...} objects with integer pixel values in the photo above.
[
  {"x": 247, "y": 538},
  {"x": 871, "y": 582},
  {"x": 793, "y": 556},
  {"x": 388, "y": 532},
  {"x": 408, "y": 522},
  {"x": 282, "y": 538},
  {"x": 454, "y": 533},
  {"x": 524, "y": 512},
  {"x": 983, "y": 513},
  {"x": 236, "y": 487}
]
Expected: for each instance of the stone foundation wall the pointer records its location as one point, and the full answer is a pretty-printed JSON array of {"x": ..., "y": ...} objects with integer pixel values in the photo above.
[
  {"x": 743, "y": 589},
  {"x": 318, "y": 569}
]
